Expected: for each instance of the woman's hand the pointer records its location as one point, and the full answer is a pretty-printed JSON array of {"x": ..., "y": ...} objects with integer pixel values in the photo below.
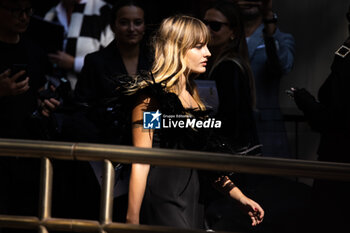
[{"x": 253, "y": 209}]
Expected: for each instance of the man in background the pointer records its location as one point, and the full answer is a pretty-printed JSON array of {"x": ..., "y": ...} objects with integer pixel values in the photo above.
[
  {"x": 22, "y": 77},
  {"x": 271, "y": 54}
]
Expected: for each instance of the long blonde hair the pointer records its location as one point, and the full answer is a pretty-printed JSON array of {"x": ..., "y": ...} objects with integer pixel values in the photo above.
[{"x": 177, "y": 35}]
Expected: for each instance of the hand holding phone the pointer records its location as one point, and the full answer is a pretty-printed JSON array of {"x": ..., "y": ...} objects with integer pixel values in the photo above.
[
  {"x": 16, "y": 68},
  {"x": 291, "y": 91},
  {"x": 9, "y": 85}
]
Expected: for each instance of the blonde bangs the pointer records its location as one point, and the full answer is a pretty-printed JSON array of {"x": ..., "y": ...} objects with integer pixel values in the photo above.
[
  {"x": 199, "y": 34},
  {"x": 174, "y": 38}
]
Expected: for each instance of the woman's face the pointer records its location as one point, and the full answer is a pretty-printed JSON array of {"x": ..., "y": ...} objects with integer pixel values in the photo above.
[
  {"x": 218, "y": 26},
  {"x": 197, "y": 57},
  {"x": 129, "y": 25}
]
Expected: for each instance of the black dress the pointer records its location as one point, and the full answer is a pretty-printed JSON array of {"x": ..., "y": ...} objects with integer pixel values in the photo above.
[
  {"x": 171, "y": 198},
  {"x": 172, "y": 195}
]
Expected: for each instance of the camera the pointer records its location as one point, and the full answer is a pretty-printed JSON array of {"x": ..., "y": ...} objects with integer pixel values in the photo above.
[
  {"x": 63, "y": 93},
  {"x": 48, "y": 128},
  {"x": 63, "y": 90}
]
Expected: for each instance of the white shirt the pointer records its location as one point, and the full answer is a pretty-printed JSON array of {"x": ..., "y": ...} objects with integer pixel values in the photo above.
[{"x": 62, "y": 18}]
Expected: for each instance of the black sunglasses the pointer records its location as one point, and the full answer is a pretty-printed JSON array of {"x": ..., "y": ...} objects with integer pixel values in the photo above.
[
  {"x": 17, "y": 12},
  {"x": 214, "y": 25}
]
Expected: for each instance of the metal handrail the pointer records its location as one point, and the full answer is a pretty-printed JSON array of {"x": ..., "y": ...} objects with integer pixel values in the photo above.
[
  {"x": 175, "y": 158},
  {"x": 47, "y": 150}
]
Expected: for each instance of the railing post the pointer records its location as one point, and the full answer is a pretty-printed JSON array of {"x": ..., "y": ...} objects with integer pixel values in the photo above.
[
  {"x": 45, "y": 192},
  {"x": 106, "y": 211},
  {"x": 43, "y": 229}
]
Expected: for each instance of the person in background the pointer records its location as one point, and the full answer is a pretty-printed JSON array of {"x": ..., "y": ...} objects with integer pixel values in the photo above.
[
  {"x": 106, "y": 118},
  {"x": 22, "y": 77},
  {"x": 127, "y": 54},
  {"x": 231, "y": 71},
  {"x": 87, "y": 30},
  {"x": 329, "y": 115},
  {"x": 271, "y": 54},
  {"x": 169, "y": 195},
  {"x": 22, "y": 72},
  {"x": 86, "y": 24}
]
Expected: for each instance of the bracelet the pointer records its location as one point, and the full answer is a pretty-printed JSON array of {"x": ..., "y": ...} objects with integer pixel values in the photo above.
[{"x": 224, "y": 184}]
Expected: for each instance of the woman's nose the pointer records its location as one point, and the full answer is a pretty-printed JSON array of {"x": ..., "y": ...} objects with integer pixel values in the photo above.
[{"x": 207, "y": 52}]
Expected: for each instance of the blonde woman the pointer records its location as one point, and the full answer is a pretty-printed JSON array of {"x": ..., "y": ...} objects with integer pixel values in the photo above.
[{"x": 169, "y": 196}]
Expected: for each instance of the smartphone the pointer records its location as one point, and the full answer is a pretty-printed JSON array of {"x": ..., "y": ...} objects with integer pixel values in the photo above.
[
  {"x": 290, "y": 93},
  {"x": 15, "y": 68}
]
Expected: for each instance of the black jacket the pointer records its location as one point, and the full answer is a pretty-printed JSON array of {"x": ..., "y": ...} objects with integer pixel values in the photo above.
[
  {"x": 235, "y": 104},
  {"x": 330, "y": 116},
  {"x": 96, "y": 87},
  {"x": 16, "y": 111}
]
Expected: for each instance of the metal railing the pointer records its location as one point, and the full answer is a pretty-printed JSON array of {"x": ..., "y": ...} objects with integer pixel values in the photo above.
[{"x": 47, "y": 150}]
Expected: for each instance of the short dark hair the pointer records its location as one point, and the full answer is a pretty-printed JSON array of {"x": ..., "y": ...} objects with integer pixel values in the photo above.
[
  {"x": 121, "y": 3},
  {"x": 31, "y": 1}
]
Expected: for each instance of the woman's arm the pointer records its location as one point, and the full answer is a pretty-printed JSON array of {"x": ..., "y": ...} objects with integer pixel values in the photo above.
[
  {"x": 253, "y": 209},
  {"x": 139, "y": 172},
  {"x": 137, "y": 186}
]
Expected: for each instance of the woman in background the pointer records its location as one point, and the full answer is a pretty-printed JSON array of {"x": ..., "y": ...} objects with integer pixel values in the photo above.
[
  {"x": 101, "y": 120},
  {"x": 230, "y": 69}
]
